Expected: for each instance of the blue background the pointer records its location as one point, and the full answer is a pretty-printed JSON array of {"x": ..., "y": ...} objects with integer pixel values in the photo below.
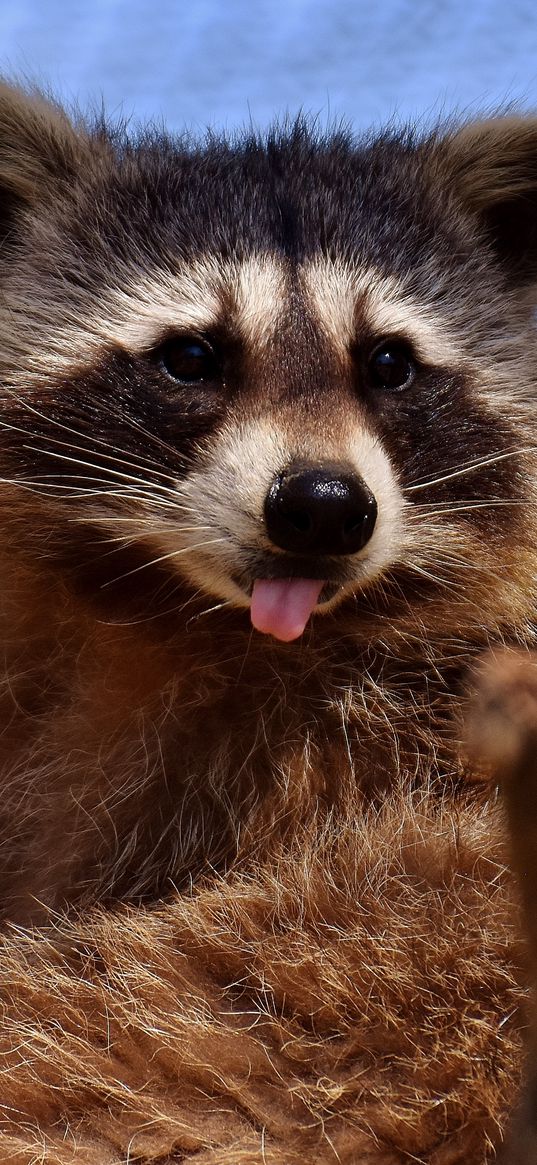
[{"x": 224, "y": 62}]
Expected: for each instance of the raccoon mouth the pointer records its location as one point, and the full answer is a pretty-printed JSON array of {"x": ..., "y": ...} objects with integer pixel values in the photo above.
[
  {"x": 282, "y": 607},
  {"x": 283, "y": 594}
]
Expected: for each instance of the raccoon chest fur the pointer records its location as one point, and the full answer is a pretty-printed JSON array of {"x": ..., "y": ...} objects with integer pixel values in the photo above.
[
  {"x": 134, "y": 763},
  {"x": 268, "y": 481}
]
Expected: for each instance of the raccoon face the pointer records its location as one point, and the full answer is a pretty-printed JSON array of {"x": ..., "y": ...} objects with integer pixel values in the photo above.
[
  {"x": 296, "y": 374},
  {"x": 286, "y": 483}
]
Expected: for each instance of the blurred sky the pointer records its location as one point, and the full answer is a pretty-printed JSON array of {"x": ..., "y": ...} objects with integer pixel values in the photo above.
[{"x": 222, "y": 62}]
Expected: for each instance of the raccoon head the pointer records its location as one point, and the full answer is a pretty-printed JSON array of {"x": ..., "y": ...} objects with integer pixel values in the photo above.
[{"x": 295, "y": 373}]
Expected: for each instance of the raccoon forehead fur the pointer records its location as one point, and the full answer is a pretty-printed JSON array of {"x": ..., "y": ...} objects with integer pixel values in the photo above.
[{"x": 150, "y": 731}]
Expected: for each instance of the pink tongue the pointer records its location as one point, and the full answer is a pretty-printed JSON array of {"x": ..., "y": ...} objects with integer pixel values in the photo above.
[{"x": 282, "y": 606}]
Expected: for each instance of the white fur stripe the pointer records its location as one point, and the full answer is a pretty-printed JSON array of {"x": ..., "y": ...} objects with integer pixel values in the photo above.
[{"x": 340, "y": 293}]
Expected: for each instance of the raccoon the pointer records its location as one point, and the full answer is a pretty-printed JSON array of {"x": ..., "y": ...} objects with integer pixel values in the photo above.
[{"x": 268, "y": 481}]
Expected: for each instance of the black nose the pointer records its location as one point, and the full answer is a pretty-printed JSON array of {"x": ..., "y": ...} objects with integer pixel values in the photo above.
[{"x": 320, "y": 509}]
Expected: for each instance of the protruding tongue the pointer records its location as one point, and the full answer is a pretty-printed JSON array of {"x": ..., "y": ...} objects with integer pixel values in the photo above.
[{"x": 282, "y": 606}]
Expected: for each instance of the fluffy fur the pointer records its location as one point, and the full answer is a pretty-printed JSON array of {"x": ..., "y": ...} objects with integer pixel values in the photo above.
[{"x": 356, "y": 998}]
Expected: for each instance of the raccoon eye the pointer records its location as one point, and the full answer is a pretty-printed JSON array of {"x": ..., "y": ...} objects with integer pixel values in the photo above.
[
  {"x": 188, "y": 360},
  {"x": 391, "y": 366}
]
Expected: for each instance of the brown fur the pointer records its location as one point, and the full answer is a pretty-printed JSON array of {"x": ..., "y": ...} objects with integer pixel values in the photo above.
[{"x": 355, "y": 998}]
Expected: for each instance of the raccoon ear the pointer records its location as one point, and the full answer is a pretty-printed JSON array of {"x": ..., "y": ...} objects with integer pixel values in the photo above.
[
  {"x": 493, "y": 165},
  {"x": 39, "y": 149}
]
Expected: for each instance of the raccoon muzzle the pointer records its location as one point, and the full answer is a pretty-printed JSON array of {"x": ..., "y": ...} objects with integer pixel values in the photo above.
[{"x": 311, "y": 511}]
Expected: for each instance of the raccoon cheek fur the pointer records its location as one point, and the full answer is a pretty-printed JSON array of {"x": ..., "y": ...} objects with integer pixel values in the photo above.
[{"x": 300, "y": 394}]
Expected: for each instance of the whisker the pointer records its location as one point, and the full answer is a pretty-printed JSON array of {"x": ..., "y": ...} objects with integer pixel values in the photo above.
[
  {"x": 78, "y": 433},
  {"x": 133, "y": 538},
  {"x": 91, "y": 465},
  {"x": 208, "y": 611},
  {"x": 47, "y": 440},
  {"x": 424, "y": 506},
  {"x": 160, "y": 494},
  {"x": 445, "y": 582},
  {"x": 455, "y": 564},
  {"x": 139, "y": 521},
  {"x": 153, "y": 437},
  {"x": 468, "y": 468},
  {"x": 135, "y": 483},
  {"x": 164, "y": 558},
  {"x": 58, "y": 488},
  {"x": 465, "y": 507},
  {"x": 65, "y": 494},
  {"x": 177, "y": 610}
]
